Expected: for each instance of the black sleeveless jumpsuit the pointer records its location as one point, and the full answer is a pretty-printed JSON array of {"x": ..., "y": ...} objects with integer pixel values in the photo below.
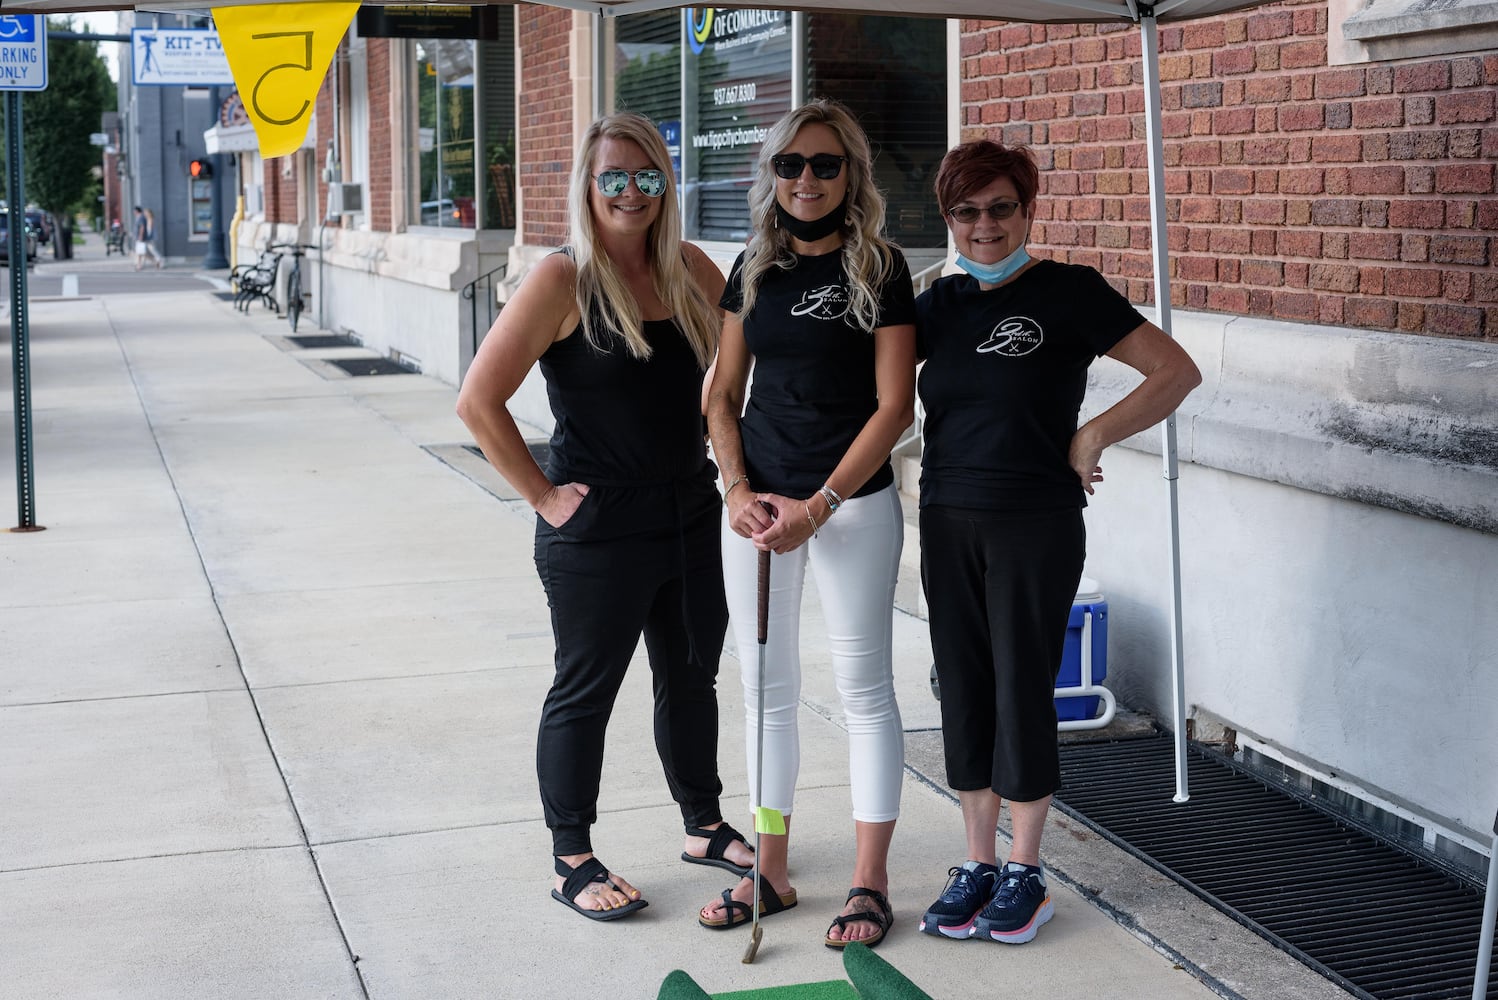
[{"x": 641, "y": 555}]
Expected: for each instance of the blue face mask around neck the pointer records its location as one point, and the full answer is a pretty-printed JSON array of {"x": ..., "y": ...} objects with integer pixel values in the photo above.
[{"x": 993, "y": 274}]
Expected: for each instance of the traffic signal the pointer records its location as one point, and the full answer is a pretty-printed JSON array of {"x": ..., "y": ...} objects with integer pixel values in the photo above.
[{"x": 200, "y": 169}]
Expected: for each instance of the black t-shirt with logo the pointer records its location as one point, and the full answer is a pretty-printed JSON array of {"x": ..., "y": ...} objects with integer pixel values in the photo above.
[
  {"x": 814, "y": 385},
  {"x": 1003, "y": 382}
]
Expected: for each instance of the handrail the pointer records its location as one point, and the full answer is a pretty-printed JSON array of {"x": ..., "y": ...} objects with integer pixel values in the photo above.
[
  {"x": 470, "y": 292},
  {"x": 922, "y": 278}
]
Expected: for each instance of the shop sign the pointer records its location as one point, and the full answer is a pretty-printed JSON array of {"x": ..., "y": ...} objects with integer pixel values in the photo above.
[
  {"x": 481, "y": 23},
  {"x": 173, "y": 57}
]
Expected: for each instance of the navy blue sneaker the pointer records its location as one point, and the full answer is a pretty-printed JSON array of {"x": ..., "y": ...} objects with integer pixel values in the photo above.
[
  {"x": 968, "y": 889},
  {"x": 1020, "y": 904}
]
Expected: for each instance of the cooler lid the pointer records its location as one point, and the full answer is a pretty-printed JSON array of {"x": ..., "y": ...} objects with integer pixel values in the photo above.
[{"x": 1089, "y": 591}]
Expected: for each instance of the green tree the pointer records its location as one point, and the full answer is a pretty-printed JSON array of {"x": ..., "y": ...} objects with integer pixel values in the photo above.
[{"x": 60, "y": 162}]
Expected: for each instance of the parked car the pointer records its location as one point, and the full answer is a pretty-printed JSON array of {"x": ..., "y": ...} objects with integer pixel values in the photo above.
[
  {"x": 5, "y": 239},
  {"x": 40, "y": 223}
]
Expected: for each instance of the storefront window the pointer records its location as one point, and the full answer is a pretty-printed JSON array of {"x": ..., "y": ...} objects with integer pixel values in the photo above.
[
  {"x": 892, "y": 72},
  {"x": 715, "y": 79},
  {"x": 497, "y": 104},
  {"x": 444, "y": 109},
  {"x": 201, "y": 214}
]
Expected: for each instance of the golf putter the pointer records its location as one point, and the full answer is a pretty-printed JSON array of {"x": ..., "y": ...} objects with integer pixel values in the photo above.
[{"x": 759, "y": 745}]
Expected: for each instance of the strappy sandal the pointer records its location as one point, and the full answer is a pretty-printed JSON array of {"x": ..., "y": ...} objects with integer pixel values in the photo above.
[
  {"x": 579, "y": 878},
  {"x": 718, "y": 842},
  {"x": 736, "y": 914},
  {"x": 882, "y": 918}
]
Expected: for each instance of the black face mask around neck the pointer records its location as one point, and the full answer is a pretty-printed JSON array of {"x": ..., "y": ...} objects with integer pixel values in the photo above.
[{"x": 816, "y": 229}]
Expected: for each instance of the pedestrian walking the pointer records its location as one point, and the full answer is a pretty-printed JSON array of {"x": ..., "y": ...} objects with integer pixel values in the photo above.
[{"x": 145, "y": 238}]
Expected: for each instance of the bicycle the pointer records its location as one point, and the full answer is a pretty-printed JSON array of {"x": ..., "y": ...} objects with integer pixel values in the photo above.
[{"x": 294, "y": 303}]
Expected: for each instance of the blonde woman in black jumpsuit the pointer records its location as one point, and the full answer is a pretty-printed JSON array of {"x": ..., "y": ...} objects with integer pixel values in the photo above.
[{"x": 623, "y": 326}]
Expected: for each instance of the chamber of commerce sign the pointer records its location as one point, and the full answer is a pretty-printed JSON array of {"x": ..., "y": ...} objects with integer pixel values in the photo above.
[{"x": 721, "y": 28}]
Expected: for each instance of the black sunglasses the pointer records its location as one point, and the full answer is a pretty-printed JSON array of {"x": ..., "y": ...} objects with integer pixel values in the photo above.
[
  {"x": 824, "y": 166},
  {"x": 970, "y": 213},
  {"x": 612, "y": 183}
]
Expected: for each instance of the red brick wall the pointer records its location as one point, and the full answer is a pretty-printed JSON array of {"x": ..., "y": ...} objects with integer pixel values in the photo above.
[
  {"x": 280, "y": 192},
  {"x": 545, "y": 138},
  {"x": 325, "y": 126},
  {"x": 1357, "y": 195},
  {"x": 382, "y": 160}
]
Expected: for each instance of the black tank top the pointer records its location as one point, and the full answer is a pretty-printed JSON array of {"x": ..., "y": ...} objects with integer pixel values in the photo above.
[{"x": 621, "y": 420}]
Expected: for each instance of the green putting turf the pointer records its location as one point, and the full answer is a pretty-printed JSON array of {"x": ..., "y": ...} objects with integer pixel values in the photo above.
[
  {"x": 875, "y": 979},
  {"x": 833, "y": 989}
]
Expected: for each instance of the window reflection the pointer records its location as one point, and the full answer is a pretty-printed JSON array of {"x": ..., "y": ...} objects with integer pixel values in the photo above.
[{"x": 444, "y": 111}]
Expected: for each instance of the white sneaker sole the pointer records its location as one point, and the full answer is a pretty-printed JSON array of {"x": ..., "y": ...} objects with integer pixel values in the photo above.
[{"x": 1020, "y": 935}]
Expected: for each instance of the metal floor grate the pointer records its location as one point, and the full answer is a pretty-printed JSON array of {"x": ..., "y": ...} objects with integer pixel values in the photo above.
[
  {"x": 323, "y": 340},
  {"x": 1380, "y": 922},
  {"x": 540, "y": 451},
  {"x": 371, "y": 366}
]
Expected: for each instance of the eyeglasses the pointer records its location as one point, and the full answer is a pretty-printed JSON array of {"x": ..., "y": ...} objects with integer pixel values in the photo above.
[
  {"x": 970, "y": 213},
  {"x": 612, "y": 183},
  {"x": 824, "y": 166}
]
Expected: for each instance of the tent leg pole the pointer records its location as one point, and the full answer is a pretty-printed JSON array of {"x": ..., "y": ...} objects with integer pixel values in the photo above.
[
  {"x": 1489, "y": 915},
  {"x": 1150, "y": 47}
]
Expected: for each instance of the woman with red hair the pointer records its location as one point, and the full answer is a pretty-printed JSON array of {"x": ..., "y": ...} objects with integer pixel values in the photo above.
[{"x": 1005, "y": 473}]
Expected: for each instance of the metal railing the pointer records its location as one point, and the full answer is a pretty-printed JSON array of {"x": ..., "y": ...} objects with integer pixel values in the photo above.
[{"x": 485, "y": 285}]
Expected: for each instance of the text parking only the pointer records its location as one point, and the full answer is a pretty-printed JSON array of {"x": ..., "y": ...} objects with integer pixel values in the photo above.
[
  {"x": 165, "y": 57},
  {"x": 23, "y": 52}
]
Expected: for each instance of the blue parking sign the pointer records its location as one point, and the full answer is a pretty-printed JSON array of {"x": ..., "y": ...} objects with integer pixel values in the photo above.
[{"x": 23, "y": 52}]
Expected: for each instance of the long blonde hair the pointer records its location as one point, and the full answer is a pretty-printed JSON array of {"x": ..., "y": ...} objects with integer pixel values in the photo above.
[
  {"x": 868, "y": 259},
  {"x": 603, "y": 299}
]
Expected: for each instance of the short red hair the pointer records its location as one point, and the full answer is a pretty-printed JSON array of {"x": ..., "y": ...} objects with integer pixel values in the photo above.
[{"x": 973, "y": 166}]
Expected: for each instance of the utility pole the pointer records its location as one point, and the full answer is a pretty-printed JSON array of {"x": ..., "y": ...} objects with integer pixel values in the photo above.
[{"x": 214, "y": 259}]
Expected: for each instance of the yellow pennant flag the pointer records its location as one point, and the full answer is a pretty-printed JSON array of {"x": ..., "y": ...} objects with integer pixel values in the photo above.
[{"x": 279, "y": 54}]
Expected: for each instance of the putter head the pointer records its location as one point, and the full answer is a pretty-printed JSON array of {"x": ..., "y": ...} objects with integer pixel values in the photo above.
[{"x": 753, "y": 948}]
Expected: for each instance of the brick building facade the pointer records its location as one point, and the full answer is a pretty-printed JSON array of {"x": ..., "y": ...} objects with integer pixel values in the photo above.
[
  {"x": 546, "y": 122},
  {"x": 1358, "y": 196},
  {"x": 381, "y": 147}
]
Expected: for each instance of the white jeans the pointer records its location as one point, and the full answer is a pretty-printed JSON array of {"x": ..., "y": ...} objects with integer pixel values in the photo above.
[{"x": 855, "y": 558}]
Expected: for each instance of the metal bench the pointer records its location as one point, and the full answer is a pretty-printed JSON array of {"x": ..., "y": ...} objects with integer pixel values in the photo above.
[{"x": 257, "y": 281}]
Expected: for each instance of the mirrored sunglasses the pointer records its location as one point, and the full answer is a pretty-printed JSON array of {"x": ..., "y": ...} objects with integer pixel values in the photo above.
[
  {"x": 611, "y": 183},
  {"x": 824, "y": 166},
  {"x": 970, "y": 213}
]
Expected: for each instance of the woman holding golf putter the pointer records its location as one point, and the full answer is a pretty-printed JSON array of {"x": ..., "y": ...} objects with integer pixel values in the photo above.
[
  {"x": 623, "y": 327},
  {"x": 820, "y": 306}
]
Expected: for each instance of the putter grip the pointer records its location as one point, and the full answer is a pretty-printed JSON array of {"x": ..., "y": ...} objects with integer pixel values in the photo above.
[{"x": 764, "y": 595}]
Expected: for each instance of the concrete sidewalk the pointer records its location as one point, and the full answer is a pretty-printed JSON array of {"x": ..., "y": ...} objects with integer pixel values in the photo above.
[{"x": 268, "y": 702}]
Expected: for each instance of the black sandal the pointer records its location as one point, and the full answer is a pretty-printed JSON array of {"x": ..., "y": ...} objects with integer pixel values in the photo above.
[
  {"x": 579, "y": 878},
  {"x": 883, "y": 918},
  {"x": 736, "y": 914},
  {"x": 717, "y": 849}
]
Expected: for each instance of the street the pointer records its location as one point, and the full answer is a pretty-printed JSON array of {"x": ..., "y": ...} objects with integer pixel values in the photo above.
[{"x": 91, "y": 272}]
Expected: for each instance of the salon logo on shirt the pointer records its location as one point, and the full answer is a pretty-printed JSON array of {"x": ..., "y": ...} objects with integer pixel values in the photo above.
[
  {"x": 827, "y": 302},
  {"x": 1013, "y": 338}
]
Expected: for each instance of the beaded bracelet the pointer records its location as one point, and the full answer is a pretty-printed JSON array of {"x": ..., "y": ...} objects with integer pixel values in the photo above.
[
  {"x": 830, "y": 495},
  {"x": 734, "y": 482},
  {"x": 811, "y": 519}
]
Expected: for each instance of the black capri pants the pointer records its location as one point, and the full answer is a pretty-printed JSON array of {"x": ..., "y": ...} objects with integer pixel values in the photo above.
[{"x": 1000, "y": 585}]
